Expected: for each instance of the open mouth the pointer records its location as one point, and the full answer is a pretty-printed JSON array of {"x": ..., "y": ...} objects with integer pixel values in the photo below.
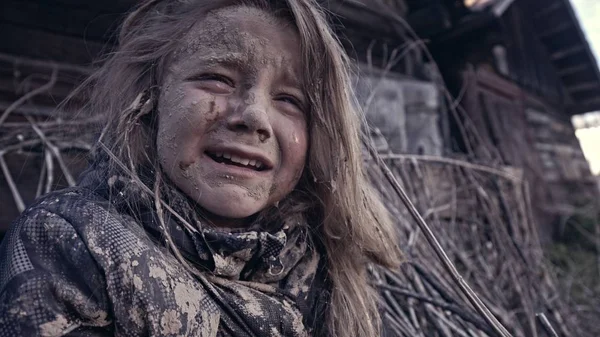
[{"x": 230, "y": 159}]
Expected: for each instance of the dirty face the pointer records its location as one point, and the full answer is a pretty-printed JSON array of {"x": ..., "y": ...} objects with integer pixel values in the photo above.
[{"x": 232, "y": 131}]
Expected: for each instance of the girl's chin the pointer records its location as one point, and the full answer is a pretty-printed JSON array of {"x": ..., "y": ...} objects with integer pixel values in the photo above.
[{"x": 230, "y": 207}]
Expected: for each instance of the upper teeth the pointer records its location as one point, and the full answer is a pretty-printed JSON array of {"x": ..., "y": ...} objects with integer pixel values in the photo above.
[{"x": 239, "y": 160}]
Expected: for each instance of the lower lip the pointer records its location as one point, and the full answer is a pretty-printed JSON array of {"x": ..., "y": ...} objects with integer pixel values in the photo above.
[{"x": 236, "y": 171}]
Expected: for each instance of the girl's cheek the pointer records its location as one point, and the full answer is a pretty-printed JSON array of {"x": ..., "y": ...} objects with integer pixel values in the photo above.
[{"x": 297, "y": 148}]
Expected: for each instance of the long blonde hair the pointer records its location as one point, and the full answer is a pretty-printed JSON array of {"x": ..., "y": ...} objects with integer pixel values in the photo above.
[{"x": 346, "y": 215}]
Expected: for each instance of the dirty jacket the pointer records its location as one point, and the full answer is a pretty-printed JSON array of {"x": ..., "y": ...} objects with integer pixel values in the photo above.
[{"x": 85, "y": 262}]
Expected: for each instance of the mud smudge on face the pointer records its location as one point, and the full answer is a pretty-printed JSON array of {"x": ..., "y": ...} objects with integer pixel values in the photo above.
[
  {"x": 213, "y": 113},
  {"x": 273, "y": 189},
  {"x": 259, "y": 192},
  {"x": 184, "y": 165}
]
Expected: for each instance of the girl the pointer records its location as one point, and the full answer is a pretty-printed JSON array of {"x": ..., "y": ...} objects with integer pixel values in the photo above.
[{"x": 228, "y": 199}]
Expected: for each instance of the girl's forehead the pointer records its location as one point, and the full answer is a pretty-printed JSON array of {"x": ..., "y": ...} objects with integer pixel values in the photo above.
[
  {"x": 239, "y": 27},
  {"x": 238, "y": 35}
]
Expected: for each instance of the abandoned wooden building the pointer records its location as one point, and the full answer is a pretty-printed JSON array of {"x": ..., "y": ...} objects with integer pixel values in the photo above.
[{"x": 516, "y": 71}]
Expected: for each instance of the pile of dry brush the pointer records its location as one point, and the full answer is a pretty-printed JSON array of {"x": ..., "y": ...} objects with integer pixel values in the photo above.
[{"x": 481, "y": 216}]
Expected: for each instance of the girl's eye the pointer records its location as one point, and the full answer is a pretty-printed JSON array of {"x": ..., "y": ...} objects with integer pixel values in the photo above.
[
  {"x": 217, "y": 77},
  {"x": 214, "y": 82},
  {"x": 291, "y": 100}
]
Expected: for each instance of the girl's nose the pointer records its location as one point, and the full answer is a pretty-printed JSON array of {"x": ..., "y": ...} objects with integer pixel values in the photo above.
[{"x": 251, "y": 116}]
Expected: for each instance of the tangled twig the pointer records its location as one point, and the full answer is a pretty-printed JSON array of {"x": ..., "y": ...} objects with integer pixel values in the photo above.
[{"x": 30, "y": 95}]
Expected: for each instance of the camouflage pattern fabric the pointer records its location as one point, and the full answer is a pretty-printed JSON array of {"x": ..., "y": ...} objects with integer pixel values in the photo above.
[{"x": 76, "y": 263}]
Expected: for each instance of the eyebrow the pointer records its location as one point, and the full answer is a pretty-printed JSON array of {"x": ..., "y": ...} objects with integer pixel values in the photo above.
[
  {"x": 233, "y": 60},
  {"x": 291, "y": 79},
  {"x": 294, "y": 84}
]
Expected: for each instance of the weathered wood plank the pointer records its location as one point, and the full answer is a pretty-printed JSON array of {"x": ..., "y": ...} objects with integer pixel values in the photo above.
[
  {"x": 574, "y": 69},
  {"x": 584, "y": 86},
  {"x": 561, "y": 54}
]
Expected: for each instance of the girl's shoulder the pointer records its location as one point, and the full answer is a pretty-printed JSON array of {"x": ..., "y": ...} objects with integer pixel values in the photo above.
[
  {"x": 74, "y": 229},
  {"x": 78, "y": 218},
  {"x": 46, "y": 267},
  {"x": 57, "y": 218},
  {"x": 77, "y": 206},
  {"x": 73, "y": 262},
  {"x": 63, "y": 228},
  {"x": 75, "y": 211}
]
